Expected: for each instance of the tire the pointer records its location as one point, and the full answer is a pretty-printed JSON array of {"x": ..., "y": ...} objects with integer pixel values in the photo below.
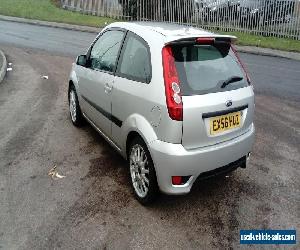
[
  {"x": 74, "y": 108},
  {"x": 142, "y": 172}
]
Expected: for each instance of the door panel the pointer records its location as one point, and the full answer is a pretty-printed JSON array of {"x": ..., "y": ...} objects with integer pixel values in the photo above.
[
  {"x": 97, "y": 100},
  {"x": 96, "y": 81}
]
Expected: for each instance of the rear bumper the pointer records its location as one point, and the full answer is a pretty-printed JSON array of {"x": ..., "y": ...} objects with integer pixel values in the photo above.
[{"x": 174, "y": 160}]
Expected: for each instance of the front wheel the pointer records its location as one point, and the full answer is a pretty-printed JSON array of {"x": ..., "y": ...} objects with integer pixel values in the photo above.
[
  {"x": 142, "y": 172},
  {"x": 75, "y": 111}
]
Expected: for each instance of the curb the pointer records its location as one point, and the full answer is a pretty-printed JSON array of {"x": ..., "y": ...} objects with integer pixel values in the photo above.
[
  {"x": 3, "y": 66},
  {"x": 245, "y": 49},
  {"x": 268, "y": 52}
]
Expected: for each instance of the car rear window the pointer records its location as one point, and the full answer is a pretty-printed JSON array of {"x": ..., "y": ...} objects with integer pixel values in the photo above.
[{"x": 203, "y": 69}]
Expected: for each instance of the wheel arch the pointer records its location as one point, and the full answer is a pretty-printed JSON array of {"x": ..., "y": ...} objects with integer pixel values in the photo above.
[
  {"x": 130, "y": 138},
  {"x": 73, "y": 81},
  {"x": 138, "y": 126}
]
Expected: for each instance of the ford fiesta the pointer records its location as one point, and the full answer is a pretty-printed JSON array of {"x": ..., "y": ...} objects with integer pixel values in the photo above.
[{"x": 175, "y": 101}]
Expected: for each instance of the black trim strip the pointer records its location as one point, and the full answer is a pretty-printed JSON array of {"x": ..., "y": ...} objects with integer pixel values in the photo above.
[
  {"x": 223, "y": 112},
  {"x": 116, "y": 121},
  {"x": 108, "y": 115},
  {"x": 223, "y": 170}
]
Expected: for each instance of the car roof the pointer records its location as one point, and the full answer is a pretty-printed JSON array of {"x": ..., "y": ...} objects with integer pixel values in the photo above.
[{"x": 167, "y": 32}]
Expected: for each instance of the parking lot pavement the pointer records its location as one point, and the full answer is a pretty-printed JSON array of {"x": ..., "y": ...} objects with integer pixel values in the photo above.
[{"x": 93, "y": 206}]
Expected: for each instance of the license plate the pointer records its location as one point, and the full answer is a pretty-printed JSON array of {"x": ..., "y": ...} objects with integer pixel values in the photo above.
[{"x": 222, "y": 123}]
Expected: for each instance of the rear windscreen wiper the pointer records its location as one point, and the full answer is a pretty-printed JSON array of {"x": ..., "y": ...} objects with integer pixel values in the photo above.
[{"x": 231, "y": 80}]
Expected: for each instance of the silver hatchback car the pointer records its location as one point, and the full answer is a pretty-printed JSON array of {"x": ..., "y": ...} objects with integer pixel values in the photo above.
[{"x": 175, "y": 101}]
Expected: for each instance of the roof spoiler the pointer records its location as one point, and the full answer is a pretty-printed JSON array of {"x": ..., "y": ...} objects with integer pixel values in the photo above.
[{"x": 218, "y": 39}]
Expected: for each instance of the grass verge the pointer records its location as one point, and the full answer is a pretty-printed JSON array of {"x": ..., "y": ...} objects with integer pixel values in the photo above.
[
  {"x": 285, "y": 44},
  {"x": 47, "y": 10}
]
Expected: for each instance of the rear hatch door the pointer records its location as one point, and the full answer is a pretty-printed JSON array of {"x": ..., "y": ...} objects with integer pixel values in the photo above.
[{"x": 217, "y": 99}]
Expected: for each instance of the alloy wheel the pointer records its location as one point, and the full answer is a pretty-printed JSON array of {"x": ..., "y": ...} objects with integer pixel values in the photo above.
[
  {"x": 73, "y": 105},
  {"x": 139, "y": 170}
]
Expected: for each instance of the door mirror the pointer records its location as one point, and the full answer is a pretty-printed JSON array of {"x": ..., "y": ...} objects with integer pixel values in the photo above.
[{"x": 81, "y": 60}]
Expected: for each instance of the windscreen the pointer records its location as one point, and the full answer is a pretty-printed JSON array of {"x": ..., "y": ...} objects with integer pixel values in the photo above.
[{"x": 206, "y": 69}]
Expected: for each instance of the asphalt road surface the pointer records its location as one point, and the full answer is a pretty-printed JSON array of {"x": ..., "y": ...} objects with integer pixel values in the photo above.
[{"x": 93, "y": 207}]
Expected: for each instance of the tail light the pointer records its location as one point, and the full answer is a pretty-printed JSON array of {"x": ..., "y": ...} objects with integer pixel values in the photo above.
[
  {"x": 242, "y": 65},
  {"x": 172, "y": 85}
]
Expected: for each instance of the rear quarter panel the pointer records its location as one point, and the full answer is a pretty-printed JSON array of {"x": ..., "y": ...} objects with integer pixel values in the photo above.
[{"x": 142, "y": 107}]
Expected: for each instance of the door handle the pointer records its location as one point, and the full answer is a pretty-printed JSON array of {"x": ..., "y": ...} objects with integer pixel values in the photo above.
[{"x": 107, "y": 88}]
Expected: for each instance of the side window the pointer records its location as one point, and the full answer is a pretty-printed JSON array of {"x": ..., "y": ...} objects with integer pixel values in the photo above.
[
  {"x": 105, "y": 51},
  {"x": 135, "y": 63}
]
